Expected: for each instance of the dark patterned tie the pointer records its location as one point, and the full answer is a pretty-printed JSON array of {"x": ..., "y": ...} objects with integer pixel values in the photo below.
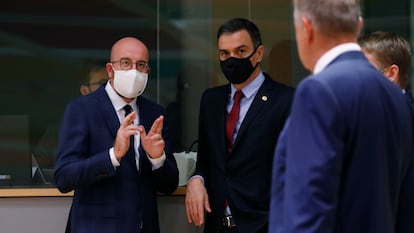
[
  {"x": 128, "y": 109},
  {"x": 232, "y": 119}
]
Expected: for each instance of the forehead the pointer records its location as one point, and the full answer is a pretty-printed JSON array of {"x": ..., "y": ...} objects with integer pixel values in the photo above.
[
  {"x": 132, "y": 49},
  {"x": 229, "y": 41}
]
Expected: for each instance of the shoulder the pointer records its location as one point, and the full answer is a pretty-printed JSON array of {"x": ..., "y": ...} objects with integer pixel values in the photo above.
[
  {"x": 149, "y": 105},
  {"x": 87, "y": 104},
  {"x": 91, "y": 99},
  {"x": 217, "y": 90},
  {"x": 214, "y": 93},
  {"x": 276, "y": 88}
]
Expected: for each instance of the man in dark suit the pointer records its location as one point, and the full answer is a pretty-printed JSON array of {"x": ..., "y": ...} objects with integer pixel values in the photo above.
[
  {"x": 233, "y": 172},
  {"x": 345, "y": 159},
  {"x": 106, "y": 155},
  {"x": 391, "y": 54}
]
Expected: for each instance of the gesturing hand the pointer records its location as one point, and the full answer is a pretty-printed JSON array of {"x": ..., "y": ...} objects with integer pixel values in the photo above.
[
  {"x": 153, "y": 143},
  {"x": 125, "y": 131}
]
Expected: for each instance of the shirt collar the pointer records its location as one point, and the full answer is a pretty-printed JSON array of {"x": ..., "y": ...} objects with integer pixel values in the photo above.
[
  {"x": 250, "y": 89},
  {"x": 329, "y": 56},
  {"x": 117, "y": 100}
]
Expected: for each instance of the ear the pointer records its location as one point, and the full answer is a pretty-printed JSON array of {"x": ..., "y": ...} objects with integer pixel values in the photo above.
[
  {"x": 109, "y": 70},
  {"x": 393, "y": 73},
  {"x": 260, "y": 53},
  {"x": 84, "y": 89},
  {"x": 360, "y": 25},
  {"x": 308, "y": 27}
]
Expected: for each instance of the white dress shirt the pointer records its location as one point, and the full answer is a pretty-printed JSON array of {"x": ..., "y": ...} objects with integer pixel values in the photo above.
[{"x": 118, "y": 104}]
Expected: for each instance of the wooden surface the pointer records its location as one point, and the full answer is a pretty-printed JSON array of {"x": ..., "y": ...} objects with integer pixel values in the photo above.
[{"x": 54, "y": 192}]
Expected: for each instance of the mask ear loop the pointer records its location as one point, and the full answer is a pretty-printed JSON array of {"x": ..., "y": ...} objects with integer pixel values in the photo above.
[{"x": 255, "y": 50}]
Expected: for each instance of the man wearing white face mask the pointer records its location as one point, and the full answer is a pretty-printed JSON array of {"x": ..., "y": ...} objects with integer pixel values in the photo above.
[{"x": 114, "y": 150}]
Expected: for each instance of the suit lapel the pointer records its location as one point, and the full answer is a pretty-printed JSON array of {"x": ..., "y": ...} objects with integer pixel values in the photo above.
[
  {"x": 106, "y": 109},
  {"x": 259, "y": 102}
]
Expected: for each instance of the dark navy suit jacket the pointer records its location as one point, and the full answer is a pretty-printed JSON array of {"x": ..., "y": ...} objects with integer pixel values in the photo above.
[
  {"x": 410, "y": 98},
  {"x": 108, "y": 199},
  {"x": 244, "y": 176},
  {"x": 344, "y": 162}
]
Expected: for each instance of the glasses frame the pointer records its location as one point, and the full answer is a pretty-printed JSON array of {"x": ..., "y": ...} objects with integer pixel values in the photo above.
[
  {"x": 386, "y": 68},
  {"x": 141, "y": 66}
]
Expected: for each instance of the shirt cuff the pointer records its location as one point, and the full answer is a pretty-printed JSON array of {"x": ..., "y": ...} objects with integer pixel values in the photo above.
[
  {"x": 114, "y": 161},
  {"x": 158, "y": 162},
  {"x": 196, "y": 176}
]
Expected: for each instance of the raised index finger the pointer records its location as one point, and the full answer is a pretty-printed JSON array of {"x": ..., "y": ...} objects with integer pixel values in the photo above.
[
  {"x": 157, "y": 125},
  {"x": 129, "y": 119}
]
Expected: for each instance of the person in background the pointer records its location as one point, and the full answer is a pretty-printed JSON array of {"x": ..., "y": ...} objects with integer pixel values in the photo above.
[
  {"x": 345, "y": 160},
  {"x": 96, "y": 77},
  {"x": 44, "y": 152},
  {"x": 235, "y": 148},
  {"x": 390, "y": 54},
  {"x": 114, "y": 150}
]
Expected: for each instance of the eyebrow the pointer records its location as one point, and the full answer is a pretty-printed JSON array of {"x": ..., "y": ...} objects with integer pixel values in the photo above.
[
  {"x": 239, "y": 47},
  {"x": 132, "y": 59}
]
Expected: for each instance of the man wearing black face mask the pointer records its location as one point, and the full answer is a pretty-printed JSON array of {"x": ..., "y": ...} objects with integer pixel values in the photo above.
[{"x": 237, "y": 137}]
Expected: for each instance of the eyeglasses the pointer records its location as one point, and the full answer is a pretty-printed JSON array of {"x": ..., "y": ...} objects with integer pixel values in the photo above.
[
  {"x": 384, "y": 69},
  {"x": 126, "y": 64}
]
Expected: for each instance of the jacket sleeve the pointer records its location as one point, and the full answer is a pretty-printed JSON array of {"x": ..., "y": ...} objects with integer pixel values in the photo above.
[{"x": 74, "y": 166}]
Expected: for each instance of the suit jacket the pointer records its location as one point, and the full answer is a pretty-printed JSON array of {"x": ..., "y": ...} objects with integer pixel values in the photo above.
[
  {"x": 244, "y": 176},
  {"x": 410, "y": 98},
  {"x": 344, "y": 162},
  {"x": 108, "y": 199}
]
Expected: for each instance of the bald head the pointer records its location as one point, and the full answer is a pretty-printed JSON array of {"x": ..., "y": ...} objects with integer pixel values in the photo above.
[
  {"x": 127, "y": 47},
  {"x": 130, "y": 51}
]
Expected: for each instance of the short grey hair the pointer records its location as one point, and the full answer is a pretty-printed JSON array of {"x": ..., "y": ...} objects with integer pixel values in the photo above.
[{"x": 331, "y": 17}]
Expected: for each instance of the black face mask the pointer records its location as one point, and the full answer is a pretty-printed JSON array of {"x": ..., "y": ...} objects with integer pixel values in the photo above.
[{"x": 238, "y": 70}]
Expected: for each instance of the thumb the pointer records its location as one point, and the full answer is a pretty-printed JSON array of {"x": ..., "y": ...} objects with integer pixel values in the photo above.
[
  {"x": 142, "y": 131},
  {"x": 207, "y": 205}
]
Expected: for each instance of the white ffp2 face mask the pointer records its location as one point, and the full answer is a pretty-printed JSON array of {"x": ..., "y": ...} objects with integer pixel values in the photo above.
[{"x": 130, "y": 83}]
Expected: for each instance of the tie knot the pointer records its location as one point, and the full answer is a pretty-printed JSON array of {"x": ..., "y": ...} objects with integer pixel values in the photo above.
[
  {"x": 128, "y": 109},
  {"x": 238, "y": 95}
]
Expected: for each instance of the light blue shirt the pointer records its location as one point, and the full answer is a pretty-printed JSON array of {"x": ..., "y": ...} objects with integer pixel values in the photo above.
[{"x": 249, "y": 92}]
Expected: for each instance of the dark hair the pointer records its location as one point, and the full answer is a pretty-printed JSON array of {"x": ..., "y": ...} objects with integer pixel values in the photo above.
[
  {"x": 389, "y": 48},
  {"x": 237, "y": 24}
]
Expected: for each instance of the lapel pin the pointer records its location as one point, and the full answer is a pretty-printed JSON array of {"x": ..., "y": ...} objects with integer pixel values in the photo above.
[{"x": 264, "y": 98}]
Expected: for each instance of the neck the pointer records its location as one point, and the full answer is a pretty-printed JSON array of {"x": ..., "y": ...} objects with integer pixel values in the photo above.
[{"x": 326, "y": 43}]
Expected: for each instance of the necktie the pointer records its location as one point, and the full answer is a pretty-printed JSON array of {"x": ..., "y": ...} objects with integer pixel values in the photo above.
[
  {"x": 232, "y": 119},
  {"x": 231, "y": 122},
  {"x": 128, "y": 109}
]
